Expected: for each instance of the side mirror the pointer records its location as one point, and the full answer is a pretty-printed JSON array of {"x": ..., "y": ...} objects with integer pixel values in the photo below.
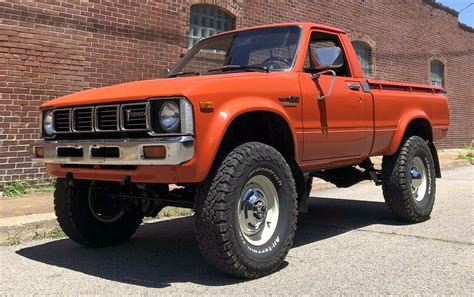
[
  {"x": 326, "y": 58},
  {"x": 323, "y": 60}
]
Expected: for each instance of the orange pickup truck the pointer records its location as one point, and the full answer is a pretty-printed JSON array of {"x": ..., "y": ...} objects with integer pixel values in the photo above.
[{"x": 240, "y": 127}]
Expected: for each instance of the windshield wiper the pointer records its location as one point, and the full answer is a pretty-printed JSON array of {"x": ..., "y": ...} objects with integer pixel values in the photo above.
[
  {"x": 184, "y": 73},
  {"x": 239, "y": 67}
]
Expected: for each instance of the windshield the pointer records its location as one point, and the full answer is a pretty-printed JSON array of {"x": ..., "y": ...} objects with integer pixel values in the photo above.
[{"x": 272, "y": 48}]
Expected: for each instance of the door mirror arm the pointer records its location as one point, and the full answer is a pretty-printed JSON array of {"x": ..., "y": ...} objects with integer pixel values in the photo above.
[{"x": 331, "y": 85}]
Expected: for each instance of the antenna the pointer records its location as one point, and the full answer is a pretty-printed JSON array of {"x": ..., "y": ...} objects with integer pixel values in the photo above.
[{"x": 466, "y": 7}]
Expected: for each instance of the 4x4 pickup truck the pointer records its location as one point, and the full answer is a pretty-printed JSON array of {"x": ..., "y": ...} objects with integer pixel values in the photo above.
[{"x": 239, "y": 128}]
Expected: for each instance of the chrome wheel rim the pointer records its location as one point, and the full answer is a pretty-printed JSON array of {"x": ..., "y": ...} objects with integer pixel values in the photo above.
[
  {"x": 258, "y": 210},
  {"x": 418, "y": 179}
]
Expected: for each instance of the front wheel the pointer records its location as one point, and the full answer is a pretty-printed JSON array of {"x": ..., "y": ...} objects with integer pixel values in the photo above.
[
  {"x": 91, "y": 214},
  {"x": 409, "y": 181},
  {"x": 246, "y": 212}
]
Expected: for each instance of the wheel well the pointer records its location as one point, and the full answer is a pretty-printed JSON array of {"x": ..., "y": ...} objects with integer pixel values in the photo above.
[
  {"x": 421, "y": 128},
  {"x": 261, "y": 126},
  {"x": 271, "y": 129}
]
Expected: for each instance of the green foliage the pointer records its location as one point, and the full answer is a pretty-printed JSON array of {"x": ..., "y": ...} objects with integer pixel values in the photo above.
[
  {"x": 21, "y": 187},
  {"x": 15, "y": 188},
  {"x": 57, "y": 232},
  {"x": 14, "y": 239},
  {"x": 174, "y": 212},
  {"x": 48, "y": 188},
  {"x": 468, "y": 156}
]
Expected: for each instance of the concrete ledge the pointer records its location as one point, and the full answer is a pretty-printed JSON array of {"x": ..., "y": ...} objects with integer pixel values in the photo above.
[{"x": 24, "y": 228}]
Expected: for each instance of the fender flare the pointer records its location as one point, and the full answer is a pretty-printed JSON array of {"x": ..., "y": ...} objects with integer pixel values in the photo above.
[
  {"x": 403, "y": 123},
  {"x": 209, "y": 141}
]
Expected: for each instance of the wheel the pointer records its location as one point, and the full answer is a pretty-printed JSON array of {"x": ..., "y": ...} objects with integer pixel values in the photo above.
[
  {"x": 91, "y": 215},
  {"x": 409, "y": 181},
  {"x": 246, "y": 212}
]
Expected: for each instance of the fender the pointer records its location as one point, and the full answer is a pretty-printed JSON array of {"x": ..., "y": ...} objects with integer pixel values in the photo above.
[
  {"x": 403, "y": 123},
  {"x": 211, "y": 131}
]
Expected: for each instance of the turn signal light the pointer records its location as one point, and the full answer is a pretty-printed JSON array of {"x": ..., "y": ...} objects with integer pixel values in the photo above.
[
  {"x": 206, "y": 106},
  {"x": 39, "y": 151},
  {"x": 154, "y": 152}
]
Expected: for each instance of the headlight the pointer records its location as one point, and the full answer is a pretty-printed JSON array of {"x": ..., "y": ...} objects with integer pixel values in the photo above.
[
  {"x": 48, "y": 127},
  {"x": 170, "y": 117}
]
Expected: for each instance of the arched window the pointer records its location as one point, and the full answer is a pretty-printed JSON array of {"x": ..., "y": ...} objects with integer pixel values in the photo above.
[
  {"x": 437, "y": 73},
  {"x": 364, "y": 53},
  {"x": 207, "y": 20}
]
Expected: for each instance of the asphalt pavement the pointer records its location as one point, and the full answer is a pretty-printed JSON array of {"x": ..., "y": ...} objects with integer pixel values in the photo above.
[{"x": 348, "y": 243}]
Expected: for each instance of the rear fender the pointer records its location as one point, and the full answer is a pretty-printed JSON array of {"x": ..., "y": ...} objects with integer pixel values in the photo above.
[{"x": 402, "y": 127}]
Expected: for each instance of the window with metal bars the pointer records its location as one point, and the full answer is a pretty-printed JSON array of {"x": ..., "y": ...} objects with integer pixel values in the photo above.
[
  {"x": 437, "y": 73},
  {"x": 207, "y": 20},
  {"x": 364, "y": 53}
]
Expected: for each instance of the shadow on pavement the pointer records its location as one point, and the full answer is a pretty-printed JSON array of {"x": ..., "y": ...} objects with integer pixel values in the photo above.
[{"x": 165, "y": 252}]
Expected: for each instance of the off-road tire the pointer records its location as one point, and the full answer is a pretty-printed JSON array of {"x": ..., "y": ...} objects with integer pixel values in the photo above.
[
  {"x": 77, "y": 221},
  {"x": 217, "y": 228},
  {"x": 396, "y": 181}
]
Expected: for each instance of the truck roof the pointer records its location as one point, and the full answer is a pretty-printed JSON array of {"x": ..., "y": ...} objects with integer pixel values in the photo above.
[{"x": 304, "y": 25}]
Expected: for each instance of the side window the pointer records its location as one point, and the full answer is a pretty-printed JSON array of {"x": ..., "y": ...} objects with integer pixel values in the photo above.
[
  {"x": 321, "y": 40},
  {"x": 207, "y": 20}
]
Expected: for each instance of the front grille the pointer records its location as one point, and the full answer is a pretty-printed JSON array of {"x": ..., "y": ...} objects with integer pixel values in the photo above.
[
  {"x": 134, "y": 116},
  {"x": 107, "y": 118},
  {"x": 111, "y": 121},
  {"x": 82, "y": 119},
  {"x": 62, "y": 120}
]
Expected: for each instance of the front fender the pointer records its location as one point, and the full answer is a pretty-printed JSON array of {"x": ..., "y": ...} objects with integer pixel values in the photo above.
[{"x": 212, "y": 126}]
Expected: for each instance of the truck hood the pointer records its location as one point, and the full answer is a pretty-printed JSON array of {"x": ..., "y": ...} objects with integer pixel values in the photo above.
[{"x": 141, "y": 90}]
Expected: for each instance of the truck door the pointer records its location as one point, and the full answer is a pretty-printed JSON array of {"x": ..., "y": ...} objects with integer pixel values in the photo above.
[{"x": 340, "y": 126}]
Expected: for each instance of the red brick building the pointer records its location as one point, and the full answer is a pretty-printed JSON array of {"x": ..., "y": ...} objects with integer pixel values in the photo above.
[{"x": 51, "y": 48}]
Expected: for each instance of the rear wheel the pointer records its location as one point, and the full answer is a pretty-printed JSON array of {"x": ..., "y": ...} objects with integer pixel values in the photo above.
[
  {"x": 92, "y": 214},
  {"x": 409, "y": 181},
  {"x": 246, "y": 212}
]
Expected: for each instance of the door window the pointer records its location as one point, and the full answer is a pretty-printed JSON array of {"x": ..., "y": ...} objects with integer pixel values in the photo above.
[{"x": 321, "y": 40}]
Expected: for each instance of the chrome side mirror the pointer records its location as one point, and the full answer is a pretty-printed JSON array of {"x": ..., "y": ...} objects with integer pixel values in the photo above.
[
  {"x": 326, "y": 58},
  {"x": 323, "y": 60}
]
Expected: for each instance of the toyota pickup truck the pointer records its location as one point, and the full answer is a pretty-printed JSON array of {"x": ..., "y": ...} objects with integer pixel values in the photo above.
[{"x": 237, "y": 131}]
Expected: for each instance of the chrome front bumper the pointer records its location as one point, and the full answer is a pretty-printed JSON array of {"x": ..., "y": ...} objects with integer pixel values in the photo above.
[{"x": 178, "y": 150}]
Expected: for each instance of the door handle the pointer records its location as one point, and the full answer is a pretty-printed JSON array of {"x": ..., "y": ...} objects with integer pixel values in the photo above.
[{"x": 354, "y": 87}]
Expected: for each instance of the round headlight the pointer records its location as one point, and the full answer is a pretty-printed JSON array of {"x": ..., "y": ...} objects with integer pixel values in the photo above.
[
  {"x": 169, "y": 116},
  {"x": 48, "y": 123}
]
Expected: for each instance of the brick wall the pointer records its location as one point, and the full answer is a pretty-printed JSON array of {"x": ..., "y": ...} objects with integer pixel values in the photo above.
[{"x": 52, "y": 48}]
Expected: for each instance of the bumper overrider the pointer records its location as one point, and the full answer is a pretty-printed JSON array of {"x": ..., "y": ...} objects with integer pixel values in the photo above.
[{"x": 143, "y": 151}]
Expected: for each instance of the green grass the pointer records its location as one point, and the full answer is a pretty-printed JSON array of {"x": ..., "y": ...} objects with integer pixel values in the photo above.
[
  {"x": 174, "y": 212},
  {"x": 14, "y": 239},
  {"x": 48, "y": 188},
  {"x": 20, "y": 187},
  {"x": 55, "y": 233},
  {"x": 15, "y": 188},
  {"x": 39, "y": 233},
  {"x": 468, "y": 156}
]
